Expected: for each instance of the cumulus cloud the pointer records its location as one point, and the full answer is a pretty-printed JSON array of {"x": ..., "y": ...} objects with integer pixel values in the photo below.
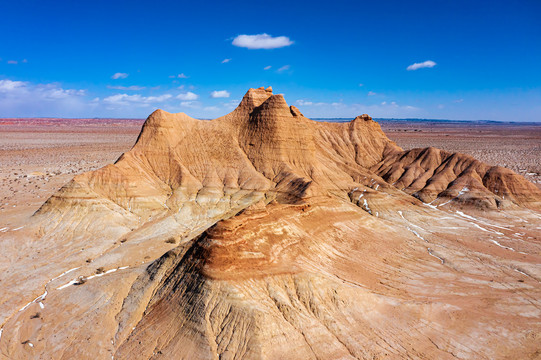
[
  {"x": 267, "y": 67},
  {"x": 219, "y": 94},
  {"x": 179, "y": 76},
  {"x": 13, "y": 62},
  {"x": 58, "y": 93},
  {"x": 189, "y": 96},
  {"x": 13, "y": 89},
  {"x": 135, "y": 100},
  {"x": 458, "y": 101},
  {"x": 371, "y": 93},
  {"x": 7, "y": 86},
  {"x": 283, "y": 68},
  {"x": 424, "y": 64},
  {"x": 27, "y": 99},
  {"x": 133, "y": 87},
  {"x": 261, "y": 41},
  {"x": 225, "y": 61},
  {"x": 119, "y": 75},
  {"x": 21, "y": 98}
]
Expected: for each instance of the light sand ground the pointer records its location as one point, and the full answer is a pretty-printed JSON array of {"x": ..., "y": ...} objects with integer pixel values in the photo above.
[{"x": 37, "y": 157}]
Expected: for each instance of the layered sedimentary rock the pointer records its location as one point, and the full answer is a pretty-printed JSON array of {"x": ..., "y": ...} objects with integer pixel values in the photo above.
[
  {"x": 432, "y": 174},
  {"x": 264, "y": 234}
]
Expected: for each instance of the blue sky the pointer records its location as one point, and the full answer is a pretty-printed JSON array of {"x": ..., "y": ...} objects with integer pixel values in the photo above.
[{"x": 478, "y": 59}]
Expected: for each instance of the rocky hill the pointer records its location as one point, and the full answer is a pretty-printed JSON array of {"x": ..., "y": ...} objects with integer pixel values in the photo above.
[{"x": 264, "y": 234}]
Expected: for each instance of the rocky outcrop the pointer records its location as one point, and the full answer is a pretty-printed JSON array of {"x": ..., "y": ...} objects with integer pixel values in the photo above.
[
  {"x": 437, "y": 176},
  {"x": 264, "y": 234}
]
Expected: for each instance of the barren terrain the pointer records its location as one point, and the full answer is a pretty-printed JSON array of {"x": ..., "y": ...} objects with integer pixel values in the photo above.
[
  {"x": 38, "y": 156},
  {"x": 516, "y": 146},
  {"x": 263, "y": 234}
]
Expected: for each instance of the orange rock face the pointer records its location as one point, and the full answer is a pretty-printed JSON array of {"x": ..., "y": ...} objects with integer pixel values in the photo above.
[{"x": 264, "y": 234}]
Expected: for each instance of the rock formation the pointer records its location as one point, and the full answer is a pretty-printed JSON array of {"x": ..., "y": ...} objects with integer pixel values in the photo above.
[{"x": 264, "y": 234}]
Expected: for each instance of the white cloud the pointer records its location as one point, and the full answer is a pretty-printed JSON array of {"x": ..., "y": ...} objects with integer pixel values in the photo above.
[
  {"x": 361, "y": 85},
  {"x": 42, "y": 91},
  {"x": 261, "y": 41},
  {"x": 340, "y": 109},
  {"x": 133, "y": 87},
  {"x": 376, "y": 110},
  {"x": 225, "y": 61},
  {"x": 119, "y": 76},
  {"x": 220, "y": 94},
  {"x": 188, "y": 96},
  {"x": 267, "y": 67},
  {"x": 25, "y": 61},
  {"x": 8, "y": 85},
  {"x": 21, "y": 98},
  {"x": 135, "y": 100},
  {"x": 160, "y": 98},
  {"x": 371, "y": 93},
  {"x": 230, "y": 104},
  {"x": 310, "y": 103},
  {"x": 12, "y": 62},
  {"x": 123, "y": 99},
  {"x": 52, "y": 92},
  {"x": 180, "y": 76},
  {"x": 283, "y": 68},
  {"x": 424, "y": 64},
  {"x": 459, "y": 100},
  {"x": 190, "y": 104}
]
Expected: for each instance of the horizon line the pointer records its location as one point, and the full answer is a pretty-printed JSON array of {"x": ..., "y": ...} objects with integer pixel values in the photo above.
[{"x": 314, "y": 118}]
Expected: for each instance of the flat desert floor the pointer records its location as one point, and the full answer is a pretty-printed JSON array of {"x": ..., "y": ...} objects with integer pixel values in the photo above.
[{"x": 38, "y": 156}]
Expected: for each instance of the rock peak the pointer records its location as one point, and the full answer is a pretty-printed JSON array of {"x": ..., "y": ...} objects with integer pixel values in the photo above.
[
  {"x": 364, "y": 117},
  {"x": 255, "y": 97}
]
